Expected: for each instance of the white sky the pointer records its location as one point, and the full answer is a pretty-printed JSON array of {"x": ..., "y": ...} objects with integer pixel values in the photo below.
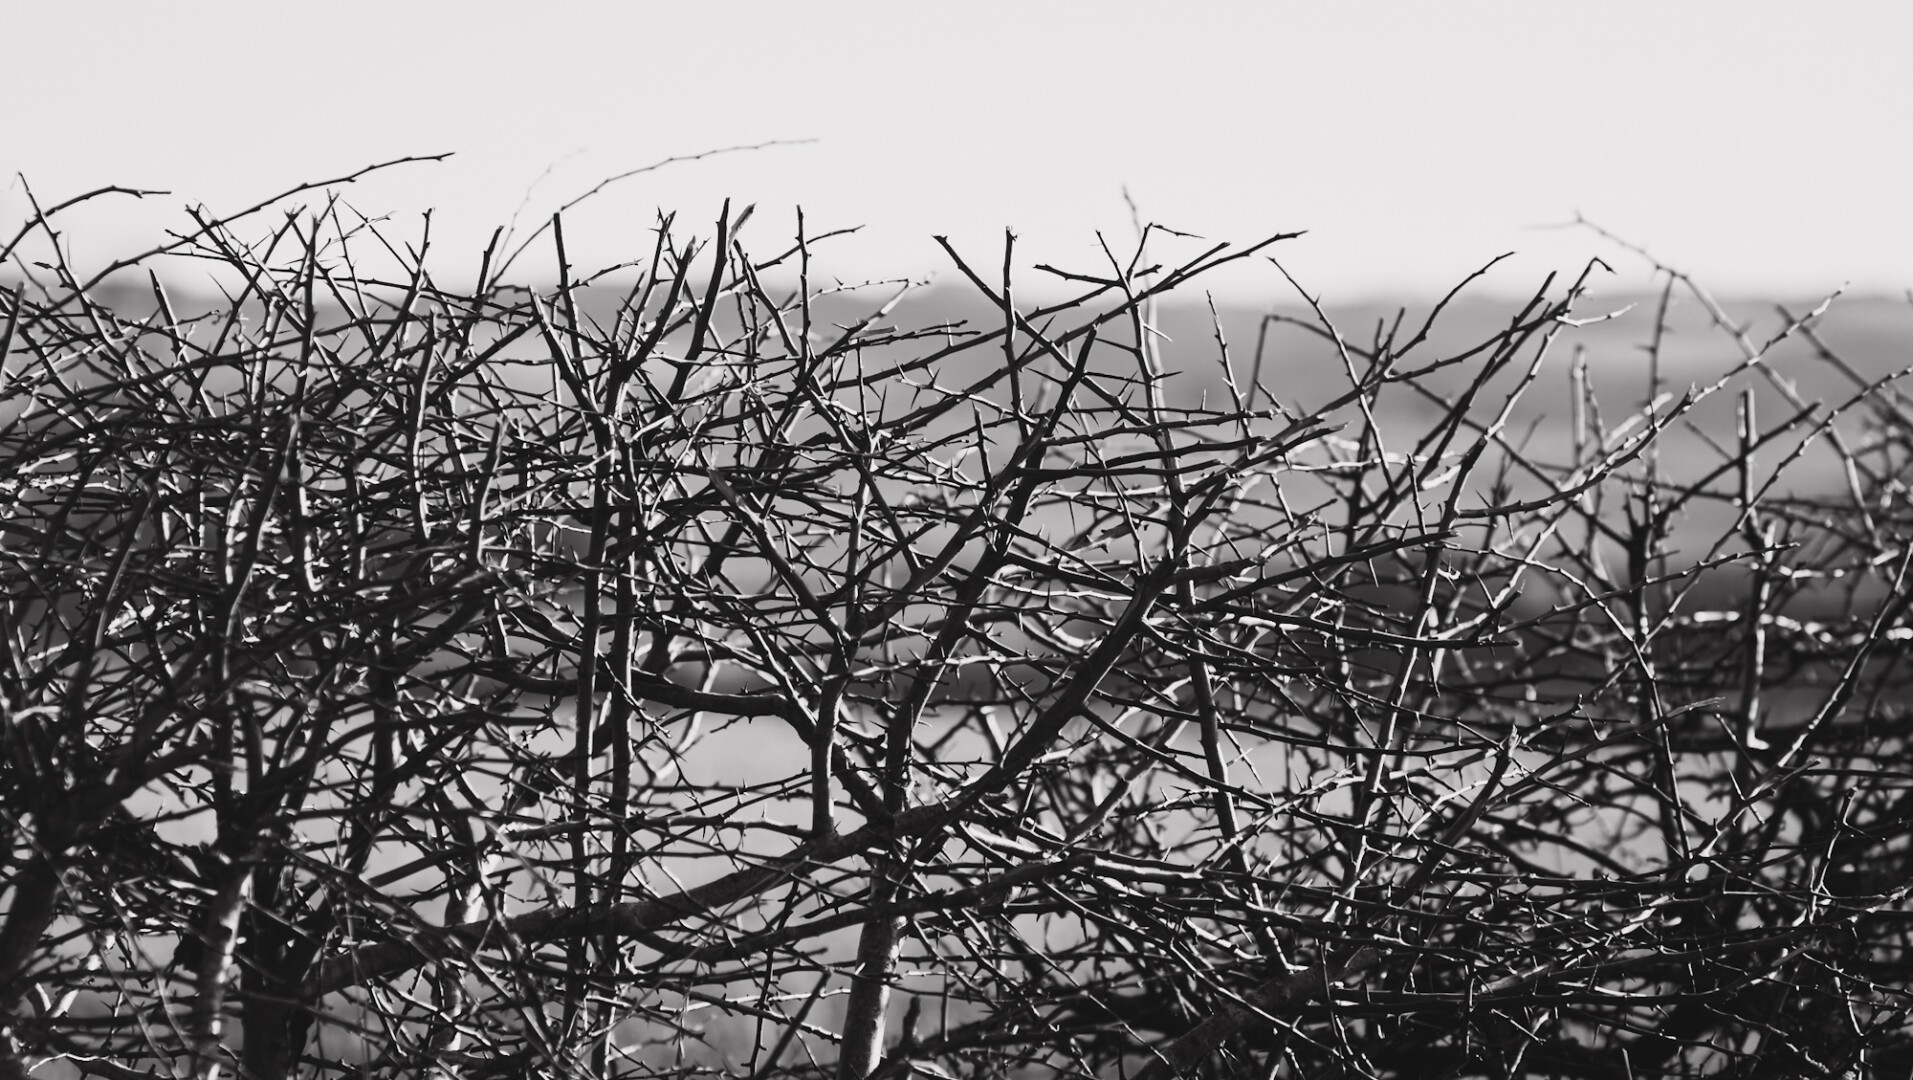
[{"x": 1762, "y": 146}]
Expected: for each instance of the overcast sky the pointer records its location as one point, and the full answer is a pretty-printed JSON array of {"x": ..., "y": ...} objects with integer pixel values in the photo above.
[{"x": 1762, "y": 146}]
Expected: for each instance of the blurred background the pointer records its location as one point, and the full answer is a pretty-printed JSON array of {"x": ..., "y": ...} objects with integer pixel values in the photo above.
[{"x": 1759, "y": 146}]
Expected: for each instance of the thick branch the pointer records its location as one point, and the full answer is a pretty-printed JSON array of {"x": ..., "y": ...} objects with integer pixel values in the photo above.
[{"x": 381, "y": 959}]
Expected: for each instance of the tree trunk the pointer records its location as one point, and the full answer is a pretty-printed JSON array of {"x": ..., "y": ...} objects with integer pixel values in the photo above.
[{"x": 870, "y": 989}]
